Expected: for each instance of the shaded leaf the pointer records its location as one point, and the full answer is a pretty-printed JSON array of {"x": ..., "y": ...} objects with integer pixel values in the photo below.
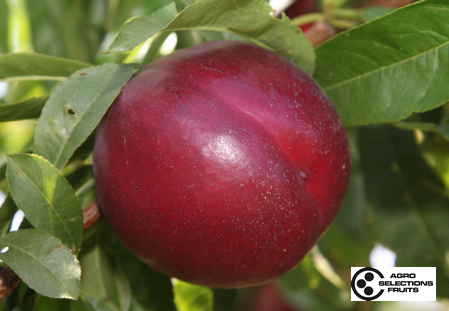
[
  {"x": 224, "y": 299},
  {"x": 42, "y": 262},
  {"x": 45, "y": 197},
  {"x": 75, "y": 108},
  {"x": 7, "y": 212},
  {"x": 308, "y": 289},
  {"x": 97, "y": 305},
  {"x": 189, "y": 297},
  {"x": 409, "y": 204},
  {"x": 384, "y": 70},
  {"x": 26, "y": 109},
  {"x": 28, "y": 302},
  {"x": 46, "y": 304},
  {"x": 443, "y": 128},
  {"x": 34, "y": 65},
  {"x": 149, "y": 288},
  {"x": 103, "y": 278},
  {"x": 252, "y": 19}
]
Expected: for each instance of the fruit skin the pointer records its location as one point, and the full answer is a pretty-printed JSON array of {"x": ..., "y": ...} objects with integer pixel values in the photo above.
[
  {"x": 221, "y": 164},
  {"x": 302, "y": 7}
]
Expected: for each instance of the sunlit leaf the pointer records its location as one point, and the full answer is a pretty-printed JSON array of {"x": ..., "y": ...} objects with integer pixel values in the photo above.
[
  {"x": 42, "y": 262},
  {"x": 75, "y": 108},
  {"x": 26, "y": 66},
  {"x": 189, "y": 297},
  {"x": 27, "y": 109},
  {"x": 45, "y": 197},
  {"x": 251, "y": 19},
  {"x": 384, "y": 70},
  {"x": 140, "y": 29}
]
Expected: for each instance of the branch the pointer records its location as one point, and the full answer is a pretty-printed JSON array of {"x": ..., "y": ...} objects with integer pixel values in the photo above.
[
  {"x": 320, "y": 32},
  {"x": 91, "y": 215},
  {"x": 9, "y": 280}
]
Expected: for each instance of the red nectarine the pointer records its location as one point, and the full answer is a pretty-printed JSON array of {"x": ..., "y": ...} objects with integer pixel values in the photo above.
[{"x": 221, "y": 164}]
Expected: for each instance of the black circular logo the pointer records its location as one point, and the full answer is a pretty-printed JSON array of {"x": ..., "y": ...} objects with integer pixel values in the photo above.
[{"x": 364, "y": 284}]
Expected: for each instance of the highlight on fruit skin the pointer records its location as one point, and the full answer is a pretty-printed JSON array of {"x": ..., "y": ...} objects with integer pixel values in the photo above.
[{"x": 221, "y": 164}]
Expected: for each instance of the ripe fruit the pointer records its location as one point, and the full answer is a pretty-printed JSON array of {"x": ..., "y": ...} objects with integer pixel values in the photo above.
[{"x": 221, "y": 164}]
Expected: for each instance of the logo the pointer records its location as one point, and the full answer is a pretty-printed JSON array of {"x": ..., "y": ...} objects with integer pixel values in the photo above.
[
  {"x": 393, "y": 284},
  {"x": 363, "y": 284}
]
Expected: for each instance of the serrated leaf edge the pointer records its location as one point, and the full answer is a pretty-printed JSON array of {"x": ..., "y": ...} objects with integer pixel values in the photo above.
[{"x": 51, "y": 205}]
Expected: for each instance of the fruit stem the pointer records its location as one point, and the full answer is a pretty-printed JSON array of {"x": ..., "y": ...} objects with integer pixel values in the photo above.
[
  {"x": 426, "y": 127},
  {"x": 347, "y": 14},
  {"x": 342, "y": 23}
]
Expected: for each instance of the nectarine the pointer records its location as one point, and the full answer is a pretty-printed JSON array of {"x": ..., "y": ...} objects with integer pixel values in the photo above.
[{"x": 221, "y": 164}]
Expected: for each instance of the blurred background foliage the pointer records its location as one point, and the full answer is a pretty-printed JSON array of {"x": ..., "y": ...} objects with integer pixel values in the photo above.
[{"x": 80, "y": 30}]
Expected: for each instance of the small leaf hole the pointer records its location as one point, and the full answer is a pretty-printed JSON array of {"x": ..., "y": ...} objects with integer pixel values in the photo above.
[
  {"x": 71, "y": 112},
  {"x": 4, "y": 250}
]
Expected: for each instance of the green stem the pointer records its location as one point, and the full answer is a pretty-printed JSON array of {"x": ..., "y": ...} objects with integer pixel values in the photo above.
[
  {"x": 153, "y": 51},
  {"x": 346, "y": 13},
  {"x": 426, "y": 127},
  {"x": 85, "y": 188},
  {"x": 308, "y": 18},
  {"x": 30, "y": 78},
  {"x": 343, "y": 24}
]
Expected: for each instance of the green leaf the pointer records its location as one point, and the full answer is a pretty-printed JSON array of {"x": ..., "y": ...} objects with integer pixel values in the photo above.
[
  {"x": 373, "y": 12},
  {"x": 141, "y": 29},
  {"x": 32, "y": 66},
  {"x": 45, "y": 197},
  {"x": 149, "y": 288},
  {"x": 46, "y": 304},
  {"x": 75, "y": 108},
  {"x": 26, "y": 109},
  {"x": 4, "y": 12},
  {"x": 189, "y": 297},
  {"x": 306, "y": 287},
  {"x": 103, "y": 277},
  {"x": 409, "y": 201},
  {"x": 97, "y": 305},
  {"x": 384, "y": 70},
  {"x": 7, "y": 212},
  {"x": 251, "y": 19},
  {"x": 42, "y": 262}
]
